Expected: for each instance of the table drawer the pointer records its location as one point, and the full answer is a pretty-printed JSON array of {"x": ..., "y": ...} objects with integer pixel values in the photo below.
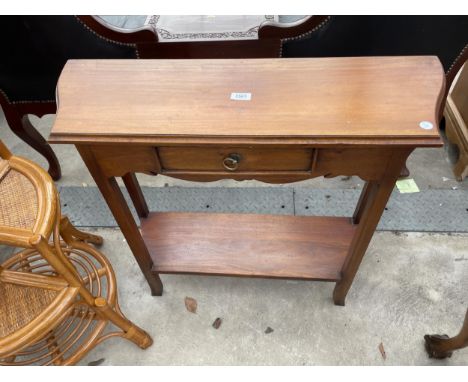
[{"x": 234, "y": 159}]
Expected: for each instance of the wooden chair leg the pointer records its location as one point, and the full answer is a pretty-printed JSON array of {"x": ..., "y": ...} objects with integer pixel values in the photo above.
[
  {"x": 23, "y": 128},
  {"x": 132, "y": 332},
  {"x": 107, "y": 309},
  {"x": 442, "y": 346},
  {"x": 68, "y": 231}
]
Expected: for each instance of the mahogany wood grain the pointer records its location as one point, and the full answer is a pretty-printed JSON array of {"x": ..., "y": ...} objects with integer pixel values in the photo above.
[
  {"x": 266, "y": 163},
  {"x": 262, "y": 176},
  {"x": 122, "y": 214},
  {"x": 134, "y": 190},
  {"x": 182, "y": 140},
  {"x": 366, "y": 163},
  {"x": 348, "y": 98},
  {"x": 369, "y": 210},
  {"x": 307, "y": 118},
  {"x": 250, "y": 158},
  {"x": 301, "y": 247},
  {"x": 120, "y": 160},
  {"x": 361, "y": 204}
]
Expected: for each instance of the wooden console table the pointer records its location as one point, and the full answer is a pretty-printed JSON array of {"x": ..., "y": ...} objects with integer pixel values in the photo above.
[{"x": 274, "y": 120}]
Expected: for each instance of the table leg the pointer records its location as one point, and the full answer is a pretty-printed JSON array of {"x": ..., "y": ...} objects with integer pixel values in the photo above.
[
  {"x": 122, "y": 214},
  {"x": 363, "y": 200},
  {"x": 370, "y": 207},
  {"x": 134, "y": 190},
  {"x": 441, "y": 346}
]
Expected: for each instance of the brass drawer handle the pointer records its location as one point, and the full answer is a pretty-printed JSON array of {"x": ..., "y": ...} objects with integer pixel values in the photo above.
[{"x": 231, "y": 162}]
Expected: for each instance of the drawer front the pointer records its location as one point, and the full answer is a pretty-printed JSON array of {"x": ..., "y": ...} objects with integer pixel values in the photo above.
[{"x": 234, "y": 159}]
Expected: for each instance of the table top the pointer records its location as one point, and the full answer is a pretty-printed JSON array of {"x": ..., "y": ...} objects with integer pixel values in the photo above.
[{"x": 357, "y": 100}]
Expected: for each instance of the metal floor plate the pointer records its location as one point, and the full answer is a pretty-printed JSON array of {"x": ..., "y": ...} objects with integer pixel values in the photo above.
[
  {"x": 86, "y": 207},
  {"x": 425, "y": 211},
  {"x": 429, "y": 210}
]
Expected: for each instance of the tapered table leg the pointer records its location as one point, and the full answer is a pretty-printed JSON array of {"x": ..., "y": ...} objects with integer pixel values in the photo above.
[
  {"x": 370, "y": 207},
  {"x": 134, "y": 190},
  {"x": 122, "y": 214}
]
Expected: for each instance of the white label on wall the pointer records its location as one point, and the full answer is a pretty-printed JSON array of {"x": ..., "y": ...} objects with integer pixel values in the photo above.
[{"x": 241, "y": 96}]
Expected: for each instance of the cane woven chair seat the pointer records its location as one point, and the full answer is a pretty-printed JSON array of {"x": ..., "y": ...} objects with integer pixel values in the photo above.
[
  {"x": 26, "y": 192},
  {"x": 20, "y": 305},
  {"x": 33, "y": 302},
  {"x": 19, "y": 200}
]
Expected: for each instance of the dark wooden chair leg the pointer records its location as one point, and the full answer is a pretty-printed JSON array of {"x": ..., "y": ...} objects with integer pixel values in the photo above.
[
  {"x": 442, "y": 346},
  {"x": 23, "y": 128}
]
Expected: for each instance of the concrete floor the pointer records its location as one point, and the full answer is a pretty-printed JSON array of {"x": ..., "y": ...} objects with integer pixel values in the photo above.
[{"x": 409, "y": 284}]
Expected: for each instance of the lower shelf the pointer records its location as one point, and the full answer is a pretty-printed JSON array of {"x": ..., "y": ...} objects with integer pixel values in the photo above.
[{"x": 296, "y": 247}]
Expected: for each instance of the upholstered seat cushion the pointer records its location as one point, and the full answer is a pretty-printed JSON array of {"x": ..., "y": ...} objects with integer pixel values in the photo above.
[
  {"x": 35, "y": 49},
  {"x": 342, "y": 36},
  {"x": 31, "y": 87}
]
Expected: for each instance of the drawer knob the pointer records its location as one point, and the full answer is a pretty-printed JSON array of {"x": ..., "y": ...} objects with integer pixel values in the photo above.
[{"x": 231, "y": 162}]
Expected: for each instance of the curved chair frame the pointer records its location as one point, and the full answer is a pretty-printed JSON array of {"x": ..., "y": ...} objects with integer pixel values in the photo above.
[
  {"x": 271, "y": 37},
  {"x": 46, "y": 201},
  {"x": 144, "y": 41},
  {"x": 57, "y": 256},
  {"x": 17, "y": 112}
]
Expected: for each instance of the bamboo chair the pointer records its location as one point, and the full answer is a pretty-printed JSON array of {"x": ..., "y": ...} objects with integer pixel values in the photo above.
[{"x": 58, "y": 293}]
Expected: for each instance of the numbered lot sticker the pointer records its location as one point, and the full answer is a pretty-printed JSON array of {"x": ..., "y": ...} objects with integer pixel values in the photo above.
[{"x": 241, "y": 96}]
